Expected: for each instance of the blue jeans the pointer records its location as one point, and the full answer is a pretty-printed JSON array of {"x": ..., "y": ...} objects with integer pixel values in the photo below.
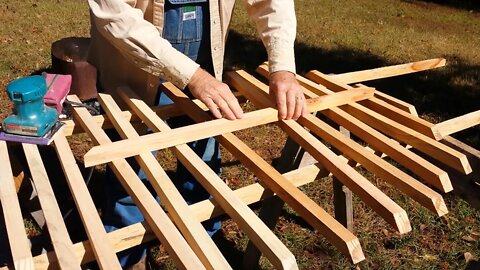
[{"x": 188, "y": 33}]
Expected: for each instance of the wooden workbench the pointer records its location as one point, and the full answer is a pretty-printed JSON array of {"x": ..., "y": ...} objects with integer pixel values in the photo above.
[{"x": 388, "y": 126}]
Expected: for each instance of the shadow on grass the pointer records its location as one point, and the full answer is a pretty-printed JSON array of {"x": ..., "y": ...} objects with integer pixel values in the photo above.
[
  {"x": 459, "y": 4},
  {"x": 439, "y": 94}
]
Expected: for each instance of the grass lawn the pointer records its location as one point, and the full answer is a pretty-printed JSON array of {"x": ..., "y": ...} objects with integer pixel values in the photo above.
[{"x": 333, "y": 37}]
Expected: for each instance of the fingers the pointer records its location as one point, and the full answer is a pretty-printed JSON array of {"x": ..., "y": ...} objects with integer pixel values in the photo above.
[
  {"x": 214, "y": 109},
  {"x": 291, "y": 102},
  {"x": 228, "y": 104},
  {"x": 281, "y": 101},
  {"x": 295, "y": 105},
  {"x": 216, "y": 95},
  {"x": 300, "y": 107},
  {"x": 288, "y": 95}
]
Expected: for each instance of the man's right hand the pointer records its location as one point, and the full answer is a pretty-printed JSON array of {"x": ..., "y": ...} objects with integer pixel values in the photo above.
[{"x": 216, "y": 95}]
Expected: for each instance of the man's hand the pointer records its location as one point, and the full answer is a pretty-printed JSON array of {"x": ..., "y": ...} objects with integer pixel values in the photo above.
[
  {"x": 215, "y": 94},
  {"x": 287, "y": 94}
]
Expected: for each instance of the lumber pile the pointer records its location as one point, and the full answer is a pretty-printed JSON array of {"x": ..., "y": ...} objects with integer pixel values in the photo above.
[{"x": 388, "y": 126}]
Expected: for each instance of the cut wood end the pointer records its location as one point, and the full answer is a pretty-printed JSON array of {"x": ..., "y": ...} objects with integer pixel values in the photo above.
[
  {"x": 26, "y": 263},
  {"x": 412, "y": 110},
  {"x": 402, "y": 223},
  {"x": 310, "y": 73},
  {"x": 442, "y": 62},
  {"x": 88, "y": 160},
  {"x": 262, "y": 69},
  {"x": 446, "y": 184},
  {"x": 440, "y": 206},
  {"x": 365, "y": 90},
  {"x": 465, "y": 164},
  {"x": 429, "y": 64},
  {"x": 437, "y": 133},
  {"x": 436, "y": 204},
  {"x": 355, "y": 250},
  {"x": 290, "y": 263}
]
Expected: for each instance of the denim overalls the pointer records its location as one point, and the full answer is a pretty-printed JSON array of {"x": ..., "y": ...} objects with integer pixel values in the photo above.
[{"x": 186, "y": 27}]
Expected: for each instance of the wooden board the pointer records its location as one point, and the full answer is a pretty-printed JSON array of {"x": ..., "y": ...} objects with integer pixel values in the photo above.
[
  {"x": 458, "y": 123},
  {"x": 141, "y": 232},
  {"x": 418, "y": 165},
  {"x": 388, "y": 110},
  {"x": 104, "y": 254},
  {"x": 402, "y": 105},
  {"x": 166, "y": 111},
  {"x": 383, "y": 72},
  {"x": 402, "y": 117},
  {"x": 196, "y": 236},
  {"x": 57, "y": 230},
  {"x": 19, "y": 244},
  {"x": 255, "y": 192},
  {"x": 202, "y": 253},
  {"x": 400, "y": 132},
  {"x": 257, "y": 231},
  {"x": 155, "y": 141},
  {"x": 164, "y": 229},
  {"x": 258, "y": 93},
  {"x": 371, "y": 195},
  {"x": 375, "y": 164},
  {"x": 338, "y": 235}
]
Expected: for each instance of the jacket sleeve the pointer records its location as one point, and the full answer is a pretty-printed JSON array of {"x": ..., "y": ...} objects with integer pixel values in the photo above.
[
  {"x": 139, "y": 41},
  {"x": 277, "y": 25}
]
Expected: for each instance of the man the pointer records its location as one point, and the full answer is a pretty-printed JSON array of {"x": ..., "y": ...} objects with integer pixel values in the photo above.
[{"x": 141, "y": 42}]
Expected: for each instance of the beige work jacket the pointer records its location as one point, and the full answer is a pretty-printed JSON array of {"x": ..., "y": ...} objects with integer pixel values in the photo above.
[{"x": 127, "y": 47}]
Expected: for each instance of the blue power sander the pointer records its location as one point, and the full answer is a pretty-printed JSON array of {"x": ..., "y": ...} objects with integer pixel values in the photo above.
[{"x": 32, "y": 121}]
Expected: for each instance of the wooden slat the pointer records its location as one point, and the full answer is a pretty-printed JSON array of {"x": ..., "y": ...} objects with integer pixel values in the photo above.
[
  {"x": 164, "y": 229},
  {"x": 165, "y": 111},
  {"x": 384, "y": 108},
  {"x": 338, "y": 235},
  {"x": 466, "y": 187},
  {"x": 440, "y": 152},
  {"x": 418, "y": 165},
  {"x": 364, "y": 189},
  {"x": 402, "y": 117},
  {"x": 178, "y": 136},
  {"x": 257, "y": 231},
  {"x": 71, "y": 128},
  {"x": 347, "y": 78},
  {"x": 401, "y": 133},
  {"x": 256, "y": 92},
  {"x": 402, "y": 105},
  {"x": 19, "y": 245},
  {"x": 19, "y": 175},
  {"x": 255, "y": 192},
  {"x": 458, "y": 123},
  {"x": 155, "y": 141},
  {"x": 196, "y": 236},
  {"x": 393, "y": 175},
  {"x": 121, "y": 239},
  {"x": 106, "y": 257},
  {"x": 383, "y": 72},
  {"x": 141, "y": 232},
  {"x": 409, "y": 136},
  {"x": 57, "y": 230}
]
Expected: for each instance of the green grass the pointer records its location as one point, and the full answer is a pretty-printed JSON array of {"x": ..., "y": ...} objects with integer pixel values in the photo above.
[{"x": 333, "y": 37}]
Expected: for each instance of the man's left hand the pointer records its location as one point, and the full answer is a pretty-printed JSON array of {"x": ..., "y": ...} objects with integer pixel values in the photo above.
[{"x": 287, "y": 94}]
